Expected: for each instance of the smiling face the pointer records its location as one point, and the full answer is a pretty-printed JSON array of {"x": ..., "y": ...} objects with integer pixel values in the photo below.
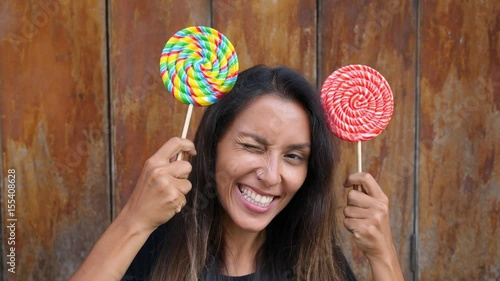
[{"x": 262, "y": 161}]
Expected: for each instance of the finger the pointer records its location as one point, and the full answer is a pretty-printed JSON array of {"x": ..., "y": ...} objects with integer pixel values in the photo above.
[
  {"x": 183, "y": 185},
  {"x": 353, "y": 225},
  {"x": 176, "y": 198},
  {"x": 178, "y": 204},
  {"x": 180, "y": 169},
  {"x": 359, "y": 199},
  {"x": 368, "y": 182},
  {"x": 185, "y": 156},
  {"x": 359, "y": 188},
  {"x": 356, "y": 212},
  {"x": 182, "y": 203},
  {"x": 171, "y": 148}
]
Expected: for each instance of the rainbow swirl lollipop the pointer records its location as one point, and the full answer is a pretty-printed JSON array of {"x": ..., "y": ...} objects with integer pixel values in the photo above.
[
  {"x": 358, "y": 102},
  {"x": 198, "y": 65}
]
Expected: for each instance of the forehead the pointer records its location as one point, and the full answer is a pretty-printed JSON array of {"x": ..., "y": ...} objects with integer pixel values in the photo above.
[{"x": 274, "y": 117}]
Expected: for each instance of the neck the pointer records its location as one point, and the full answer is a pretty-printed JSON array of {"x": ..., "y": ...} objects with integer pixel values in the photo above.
[{"x": 241, "y": 249}]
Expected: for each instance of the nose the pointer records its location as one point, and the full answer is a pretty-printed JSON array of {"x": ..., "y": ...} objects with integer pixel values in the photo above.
[{"x": 272, "y": 171}]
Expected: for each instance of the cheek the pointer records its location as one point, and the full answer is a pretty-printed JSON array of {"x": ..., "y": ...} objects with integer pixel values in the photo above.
[
  {"x": 223, "y": 180},
  {"x": 235, "y": 165},
  {"x": 229, "y": 163},
  {"x": 296, "y": 178},
  {"x": 227, "y": 170},
  {"x": 223, "y": 168},
  {"x": 223, "y": 183}
]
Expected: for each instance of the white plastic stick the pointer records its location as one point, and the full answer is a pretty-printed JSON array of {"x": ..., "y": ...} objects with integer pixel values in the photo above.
[
  {"x": 186, "y": 127},
  {"x": 360, "y": 158}
]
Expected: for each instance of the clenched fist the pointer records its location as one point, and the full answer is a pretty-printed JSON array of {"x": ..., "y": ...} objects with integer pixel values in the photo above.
[
  {"x": 367, "y": 218},
  {"x": 162, "y": 186}
]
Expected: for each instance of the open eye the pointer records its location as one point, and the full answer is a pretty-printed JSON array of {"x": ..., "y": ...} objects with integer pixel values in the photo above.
[{"x": 294, "y": 156}]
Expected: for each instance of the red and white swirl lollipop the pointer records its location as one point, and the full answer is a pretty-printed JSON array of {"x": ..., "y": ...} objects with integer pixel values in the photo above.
[{"x": 359, "y": 103}]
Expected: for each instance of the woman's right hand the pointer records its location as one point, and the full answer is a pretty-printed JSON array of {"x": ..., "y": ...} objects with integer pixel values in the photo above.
[
  {"x": 157, "y": 197},
  {"x": 162, "y": 186}
]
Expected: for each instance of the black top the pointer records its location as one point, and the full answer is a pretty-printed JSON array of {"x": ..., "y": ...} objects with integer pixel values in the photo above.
[
  {"x": 242, "y": 278},
  {"x": 141, "y": 266}
]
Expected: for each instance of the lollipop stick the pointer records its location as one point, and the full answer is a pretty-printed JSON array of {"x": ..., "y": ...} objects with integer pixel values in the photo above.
[
  {"x": 186, "y": 127},
  {"x": 360, "y": 160}
]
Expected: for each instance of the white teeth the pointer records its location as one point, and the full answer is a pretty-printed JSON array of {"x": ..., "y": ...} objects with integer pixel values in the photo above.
[{"x": 254, "y": 198}]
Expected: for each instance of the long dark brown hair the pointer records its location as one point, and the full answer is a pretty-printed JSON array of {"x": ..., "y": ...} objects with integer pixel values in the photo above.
[{"x": 301, "y": 241}]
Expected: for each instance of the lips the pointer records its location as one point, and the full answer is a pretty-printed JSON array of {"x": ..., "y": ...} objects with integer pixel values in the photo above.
[{"x": 255, "y": 198}]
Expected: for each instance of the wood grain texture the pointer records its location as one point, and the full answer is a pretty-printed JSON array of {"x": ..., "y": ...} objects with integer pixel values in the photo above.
[
  {"x": 460, "y": 132},
  {"x": 270, "y": 32},
  {"x": 380, "y": 34},
  {"x": 53, "y": 117},
  {"x": 144, "y": 114}
]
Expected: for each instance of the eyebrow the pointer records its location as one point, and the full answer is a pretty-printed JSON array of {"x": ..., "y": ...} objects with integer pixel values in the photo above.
[
  {"x": 299, "y": 146},
  {"x": 265, "y": 142},
  {"x": 256, "y": 137}
]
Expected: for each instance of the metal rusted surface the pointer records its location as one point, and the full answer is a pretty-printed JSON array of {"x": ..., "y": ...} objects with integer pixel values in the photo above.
[
  {"x": 54, "y": 118},
  {"x": 460, "y": 133},
  {"x": 380, "y": 34},
  {"x": 144, "y": 114},
  {"x": 54, "y": 133},
  {"x": 271, "y": 32}
]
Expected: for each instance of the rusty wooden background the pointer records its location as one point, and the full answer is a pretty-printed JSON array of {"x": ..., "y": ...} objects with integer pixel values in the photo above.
[
  {"x": 459, "y": 179},
  {"x": 82, "y": 107}
]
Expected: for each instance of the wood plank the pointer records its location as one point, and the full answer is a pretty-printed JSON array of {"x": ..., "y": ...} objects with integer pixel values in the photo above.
[
  {"x": 144, "y": 114},
  {"x": 380, "y": 34},
  {"x": 274, "y": 33},
  {"x": 54, "y": 106},
  {"x": 460, "y": 133}
]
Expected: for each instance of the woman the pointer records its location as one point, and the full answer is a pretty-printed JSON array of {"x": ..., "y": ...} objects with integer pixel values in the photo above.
[{"x": 256, "y": 203}]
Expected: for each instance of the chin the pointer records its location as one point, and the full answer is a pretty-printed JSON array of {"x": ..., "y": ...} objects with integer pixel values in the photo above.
[{"x": 250, "y": 224}]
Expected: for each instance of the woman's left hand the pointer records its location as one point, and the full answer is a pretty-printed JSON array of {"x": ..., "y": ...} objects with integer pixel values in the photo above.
[{"x": 367, "y": 218}]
